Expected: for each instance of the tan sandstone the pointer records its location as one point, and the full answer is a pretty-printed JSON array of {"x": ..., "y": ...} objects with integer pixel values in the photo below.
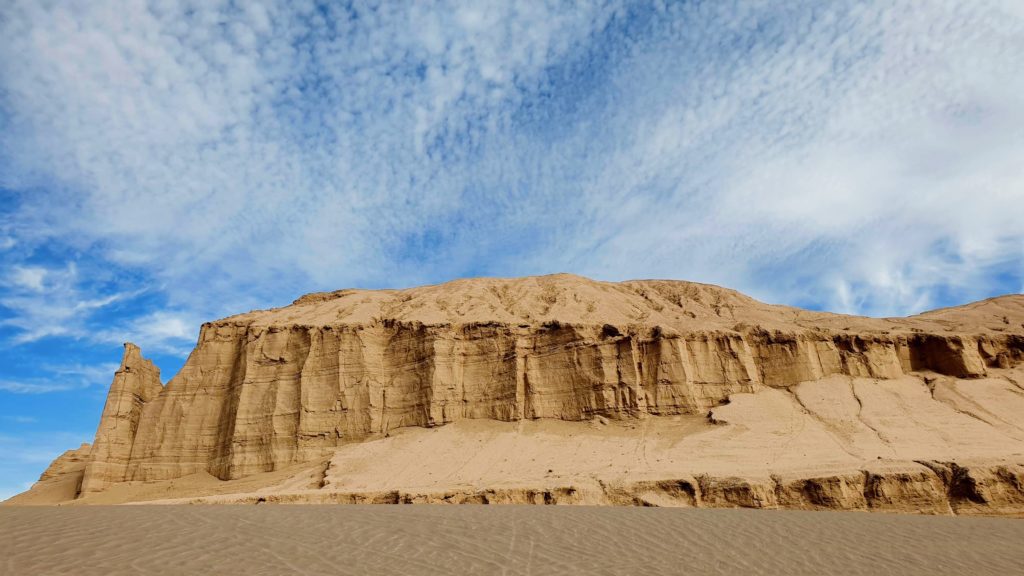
[{"x": 560, "y": 389}]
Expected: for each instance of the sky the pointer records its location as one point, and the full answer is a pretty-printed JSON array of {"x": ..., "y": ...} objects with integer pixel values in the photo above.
[{"x": 171, "y": 162}]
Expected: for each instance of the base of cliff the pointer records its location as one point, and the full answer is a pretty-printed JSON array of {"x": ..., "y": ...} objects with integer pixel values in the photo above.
[{"x": 918, "y": 444}]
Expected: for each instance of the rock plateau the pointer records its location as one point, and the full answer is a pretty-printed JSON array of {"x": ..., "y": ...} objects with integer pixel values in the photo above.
[{"x": 560, "y": 389}]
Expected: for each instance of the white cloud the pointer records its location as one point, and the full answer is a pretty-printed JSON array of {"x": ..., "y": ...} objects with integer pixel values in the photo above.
[
  {"x": 168, "y": 326},
  {"x": 30, "y": 277},
  {"x": 46, "y": 302},
  {"x": 61, "y": 378},
  {"x": 164, "y": 332},
  {"x": 86, "y": 374},
  {"x": 20, "y": 387},
  {"x": 20, "y": 419},
  {"x": 59, "y": 306},
  {"x": 861, "y": 164},
  {"x": 197, "y": 141},
  {"x": 16, "y": 386},
  {"x": 864, "y": 157}
]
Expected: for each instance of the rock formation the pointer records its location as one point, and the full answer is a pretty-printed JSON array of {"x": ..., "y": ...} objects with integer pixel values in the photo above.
[
  {"x": 334, "y": 373},
  {"x": 136, "y": 382}
]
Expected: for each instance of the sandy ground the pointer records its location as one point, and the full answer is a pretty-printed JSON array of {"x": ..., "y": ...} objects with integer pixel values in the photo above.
[{"x": 507, "y": 540}]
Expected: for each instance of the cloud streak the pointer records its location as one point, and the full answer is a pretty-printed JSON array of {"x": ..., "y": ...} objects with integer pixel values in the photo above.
[
  {"x": 862, "y": 157},
  {"x": 62, "y": 378},
  {"x": 48, "y": 302}
]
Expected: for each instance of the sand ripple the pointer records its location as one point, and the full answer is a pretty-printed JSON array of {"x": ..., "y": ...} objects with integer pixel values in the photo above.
[{"x": 509, "y": 540}]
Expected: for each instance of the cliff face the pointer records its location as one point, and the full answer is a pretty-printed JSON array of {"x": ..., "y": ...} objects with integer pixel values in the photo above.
[
  {"x": 265, "y": 390},
  {"x": 253, "y": 398},
  {"x": 135, "y": 383}
]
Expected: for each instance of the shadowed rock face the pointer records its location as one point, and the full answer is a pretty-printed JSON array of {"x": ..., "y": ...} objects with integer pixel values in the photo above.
[{"x": 269, "y": 389}]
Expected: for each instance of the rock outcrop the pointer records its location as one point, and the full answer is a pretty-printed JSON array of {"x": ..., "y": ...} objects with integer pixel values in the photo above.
[
  {"x": 62, "y": 479},
  {"x": 271, "y": 389},
  {"x": 136, "y": 382}
]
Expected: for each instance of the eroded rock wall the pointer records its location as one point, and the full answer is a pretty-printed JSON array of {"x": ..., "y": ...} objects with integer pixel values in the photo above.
[
  {"x": 253, "y": 398},
  {"x": 136, "y": 383},
  {"x": 335, "y": 372}
]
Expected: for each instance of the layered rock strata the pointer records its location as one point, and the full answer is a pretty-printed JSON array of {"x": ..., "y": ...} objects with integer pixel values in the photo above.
[
  {"x": 136, "y": 383},
  {"x": 266, "y": 390},
  {"x": 976, "y": 490}
]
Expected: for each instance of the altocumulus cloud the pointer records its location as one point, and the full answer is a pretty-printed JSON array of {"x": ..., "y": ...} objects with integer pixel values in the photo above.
[{"x": 856, "y": 156}]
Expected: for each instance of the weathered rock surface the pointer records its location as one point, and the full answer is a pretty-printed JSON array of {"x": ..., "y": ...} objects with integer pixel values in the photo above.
[
  {"x": 135, "y": 383},
  {"x": 923, "y": 413},
  {"x": 62, "y": 480}
]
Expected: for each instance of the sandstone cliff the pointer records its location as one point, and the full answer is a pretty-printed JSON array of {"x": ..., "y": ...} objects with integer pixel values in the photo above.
[
  {"x": 136, "y": 382},
  {"x": 923, "y": 413}
]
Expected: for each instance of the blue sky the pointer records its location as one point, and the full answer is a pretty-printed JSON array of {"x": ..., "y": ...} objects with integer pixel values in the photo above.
[{"x": 166, "y": 163}]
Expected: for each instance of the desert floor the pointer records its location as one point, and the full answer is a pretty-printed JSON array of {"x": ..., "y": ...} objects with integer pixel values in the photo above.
[{"x": 439, "y": 539}]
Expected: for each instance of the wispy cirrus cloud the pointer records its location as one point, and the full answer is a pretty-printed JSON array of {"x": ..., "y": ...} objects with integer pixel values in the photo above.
[
  {"x": 212, "y": 139},
  {"x": 859, "y": 156},
  {"x": 862, "y": 160},
  {"x": 19, "y": 419},
  {"x": 62, "y": 378},
  {"x": 37, "y": 387},
  {"x": 29, "y": 277},
  {"x": 43, "y": 302},
  {"x": 164, "y": 331}
]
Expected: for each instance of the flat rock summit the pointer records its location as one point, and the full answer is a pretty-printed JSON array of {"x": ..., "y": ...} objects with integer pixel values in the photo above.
[{"x": 564, "y": 390}]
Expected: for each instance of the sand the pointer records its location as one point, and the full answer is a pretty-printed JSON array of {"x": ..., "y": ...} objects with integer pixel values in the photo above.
[{"x": 508, "y": 540}]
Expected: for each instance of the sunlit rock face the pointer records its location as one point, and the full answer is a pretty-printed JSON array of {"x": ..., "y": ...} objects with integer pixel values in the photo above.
[{"x": 269, "y": 389}]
